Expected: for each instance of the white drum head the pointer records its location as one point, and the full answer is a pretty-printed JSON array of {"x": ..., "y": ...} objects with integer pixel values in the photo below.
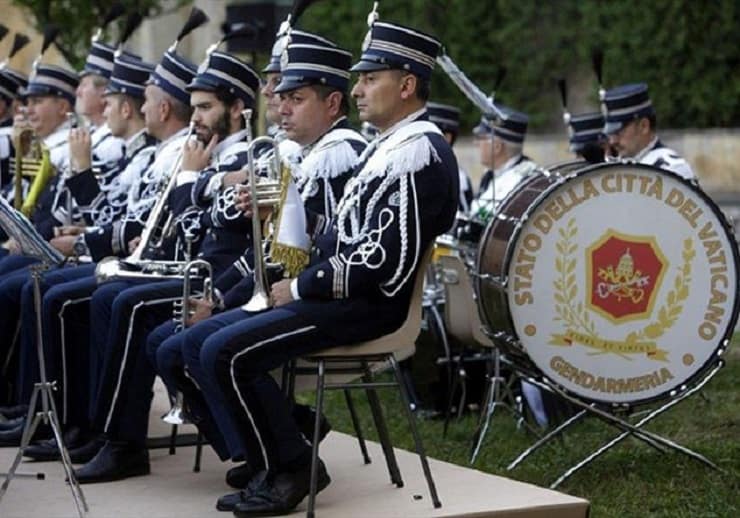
[{"x": 623, "y": 283}]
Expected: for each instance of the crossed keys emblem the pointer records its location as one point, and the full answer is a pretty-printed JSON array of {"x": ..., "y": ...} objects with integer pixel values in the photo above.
[{"x": 624, "y": 283}]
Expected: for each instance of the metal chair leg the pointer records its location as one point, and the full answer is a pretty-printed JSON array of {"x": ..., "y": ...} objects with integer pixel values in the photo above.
[
  {"x": 315, "y": 441},
  {"x": 385, "y": 441},
  {"x": 173, "y": 439},
  {"x": 356, "y": 425},
  {"x": 198, "y": 453},
  {"x": 451, "y": 399},
  {"x": 415, "y": 433}
]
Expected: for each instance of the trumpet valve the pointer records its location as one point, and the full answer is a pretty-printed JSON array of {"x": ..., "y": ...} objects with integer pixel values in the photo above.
[{"x": 268, "y": 193}]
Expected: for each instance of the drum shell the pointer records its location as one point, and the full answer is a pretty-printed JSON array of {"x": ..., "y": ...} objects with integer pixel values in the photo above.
[{"x": 493, "y": 250}]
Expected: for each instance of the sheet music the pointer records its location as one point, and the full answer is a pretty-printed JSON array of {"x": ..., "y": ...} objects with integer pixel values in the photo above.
[{"x": 17, "y": 226}]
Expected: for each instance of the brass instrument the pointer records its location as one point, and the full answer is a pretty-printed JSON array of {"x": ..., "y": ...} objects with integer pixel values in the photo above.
[
  {"x": 31, "y": 160},
  {"x": 202, "y": 269},
  {"x": 265, "y": 193},
  {"x": 157, "y": 228},
  {"x": 180, "y": 314}
]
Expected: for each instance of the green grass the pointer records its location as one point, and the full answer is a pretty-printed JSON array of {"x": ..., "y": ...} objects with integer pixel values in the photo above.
[{"x": 630, "y": 480}]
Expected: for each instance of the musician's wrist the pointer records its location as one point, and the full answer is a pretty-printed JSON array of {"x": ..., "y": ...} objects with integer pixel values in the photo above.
[{"x": 79, "y": 246}]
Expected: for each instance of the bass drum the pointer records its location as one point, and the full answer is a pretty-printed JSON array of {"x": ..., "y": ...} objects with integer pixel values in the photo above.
[{"x": 617, "y": 282}]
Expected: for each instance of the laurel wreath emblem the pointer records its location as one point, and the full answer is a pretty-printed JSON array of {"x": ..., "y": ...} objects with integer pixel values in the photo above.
[{"x": 577, "y": 317}]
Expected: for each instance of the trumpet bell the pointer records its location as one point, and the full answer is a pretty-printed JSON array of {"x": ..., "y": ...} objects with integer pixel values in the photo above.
[{"x": 260, "y": 301}]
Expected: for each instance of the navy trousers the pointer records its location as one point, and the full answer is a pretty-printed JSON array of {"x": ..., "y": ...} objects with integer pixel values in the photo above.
[
  {"x": 19, "y": 317},
  {"x": 122, "y": 315},
  {"x": 177, "y": 359},
  {"x": 236, "y": 352}
]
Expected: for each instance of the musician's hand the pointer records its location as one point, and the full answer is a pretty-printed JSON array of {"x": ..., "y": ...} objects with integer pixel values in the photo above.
[
  {"x": 68, "y": 230},
  {"x": 199, "y": 310},
  {"x": 65, "y": 245},
  {"x": 21, "y": 124},
  {"x": 133, "y": 244},
  {"x": 244, "y": 203},
  {"x": 11, "y": 245},
  {"x": 280, "y": 292},
  {"x": 80, "y": 146},
  {"x": 196, "y": 156},
  {"x": 235, "y": 177}
]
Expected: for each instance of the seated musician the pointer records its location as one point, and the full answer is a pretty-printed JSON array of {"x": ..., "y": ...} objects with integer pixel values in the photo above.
[
  {"x": 313, "y": 114},
  {"x": 12, "y": 83},
  {"x": 358, "y": 285},
  {"x": 585, "y": 138},
  {"x": 123, "y": 312},
  {"x": 500, "y": 145},
  {"x": 447, "y": 118},
  {"x": 631, "y": 127},
  {"x": 126, "y": 122},
  {"x": 50, "y": 95}
]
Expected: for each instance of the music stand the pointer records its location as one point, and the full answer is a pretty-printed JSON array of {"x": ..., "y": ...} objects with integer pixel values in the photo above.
[{"x": 31, "y": 244}]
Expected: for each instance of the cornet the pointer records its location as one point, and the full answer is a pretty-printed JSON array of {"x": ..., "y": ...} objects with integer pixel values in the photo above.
[
  {"x": 265, "y": 193},
  {"x": 198, "y": 268}
]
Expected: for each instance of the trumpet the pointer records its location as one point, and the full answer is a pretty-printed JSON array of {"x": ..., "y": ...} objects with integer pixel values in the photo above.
[
  {"x": 180, "y": 314},
  {"x": 201, "y": 269},
  {"x": 265, "y": 193},
  {"x": 156, "y": 230}
]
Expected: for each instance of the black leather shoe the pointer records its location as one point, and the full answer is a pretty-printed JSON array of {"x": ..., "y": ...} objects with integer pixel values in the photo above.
[
  {"x": 87, "y": 451},
  {"x": 239, "y": 476},
  {"x": 12, "y": 423},
  {"x": 228, "y": 502},
  {"x": 48, "y": 450},
  {"x": 9, "y": 412},
  {"x": 279, "y": 494},
  {"x": 114, "y": 461}
]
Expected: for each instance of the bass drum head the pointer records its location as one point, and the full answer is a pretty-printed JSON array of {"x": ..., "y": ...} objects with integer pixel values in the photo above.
[{"x": 622, "y": 283}]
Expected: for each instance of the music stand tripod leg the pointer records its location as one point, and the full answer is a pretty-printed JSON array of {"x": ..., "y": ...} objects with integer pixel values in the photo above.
[
  {"x": 31, "y": 422},
  {"x": 49, "y": 412}
]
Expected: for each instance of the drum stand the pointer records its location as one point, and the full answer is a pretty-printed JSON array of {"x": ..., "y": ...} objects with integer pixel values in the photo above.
[
  {"x": 660, "y": 443},
  {"x": 499, "y": 394},
  {"x": 48, "y": 411}
]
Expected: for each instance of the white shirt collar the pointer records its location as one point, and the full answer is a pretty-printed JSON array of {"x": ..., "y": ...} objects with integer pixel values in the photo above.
[
  {"x": 508, "y": 164},
  {"x": 180, "y": 133},
  {"x": 229, "y": 141},
  {"x": 409, "y": 118},
  {"x": 647, "y": 149},
  {"x": 305, "y": 150}
]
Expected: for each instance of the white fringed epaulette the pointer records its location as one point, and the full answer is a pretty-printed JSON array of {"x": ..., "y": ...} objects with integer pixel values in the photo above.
[
  {"x": 289, "y": 151},
  {"x": 406, "y": 151},
  {"x": 332, "y": 155}
]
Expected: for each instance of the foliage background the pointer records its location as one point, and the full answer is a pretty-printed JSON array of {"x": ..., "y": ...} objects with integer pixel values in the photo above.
[{"x": 685, "y": 50}]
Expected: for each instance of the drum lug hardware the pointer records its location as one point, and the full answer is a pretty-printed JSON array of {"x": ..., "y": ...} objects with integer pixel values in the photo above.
[
  {"x": 450, "y": 276},
  {"x": 491, "y": 279}
]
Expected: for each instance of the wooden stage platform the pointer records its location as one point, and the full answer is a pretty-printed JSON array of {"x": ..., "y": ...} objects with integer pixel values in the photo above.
[{"x": 357, "y": 490}]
